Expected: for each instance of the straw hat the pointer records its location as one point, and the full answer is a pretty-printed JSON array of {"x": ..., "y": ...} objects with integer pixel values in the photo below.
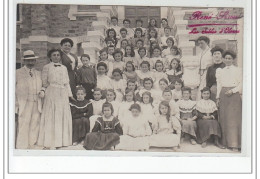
[{"x": 29, "y": 55}]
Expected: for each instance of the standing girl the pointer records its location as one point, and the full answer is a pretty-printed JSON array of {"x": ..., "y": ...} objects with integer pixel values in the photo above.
[
  {"x": 130, "y": 55},
  {"x": 111, "y": 33},
  {"x": 188, "y": 116},
  {"x": 157, "y": 56},
  {"x": 229, "y": 89},
  {"x": 175, "y": 72},
  {"x": 207, "y": 121},
  {"x": 168, "y": 129},
  {"x": 136, "y": 131},
  {"x": 81, "y": 110},
  {"x": 104, "y": 58},
  {"x": 151, "y": 38},
  {"x": 118, "y": 60},
  {"x": 118, "y": 84},
  {"x": 148, "y": 86},
  {"x": 56, "y": 120},
  {"x": 110, "y": 98},
  {"x": 176, "y": 92},
  {"x": 175, "y": 52},
  {"x": 103, "y": 81},
  {"x": 105, "y": 134},
  {"x": 158, "y": 74},
  {"x": 170, "y": 44},
  {"x": 123, "y": 111},
  {"x": 144, "y": 71},
  {"x": 129, "y": 73}
]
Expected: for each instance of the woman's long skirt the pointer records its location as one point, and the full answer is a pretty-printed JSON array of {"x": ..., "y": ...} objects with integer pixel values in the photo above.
[
  {"x": 230, "y": 118},
  {"x": 206, "y": 128},
  {"x": 56, "y": 120}
]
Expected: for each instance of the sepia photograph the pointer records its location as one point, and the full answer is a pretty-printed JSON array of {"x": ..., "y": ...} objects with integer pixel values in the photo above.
[{"x": 129, "y": 78}]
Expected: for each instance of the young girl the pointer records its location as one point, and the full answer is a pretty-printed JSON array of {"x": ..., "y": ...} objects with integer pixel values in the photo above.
[
  {"x": 118, "y": 60},
  {"x": 131, "y": 85},
  {"x": 129, "y": 73},
  {"x": 207, "y": 121},
  {"x": 157, "y": 56},
  {"x": 175, "y": 72},
  {"x": 152, "y": 37},
  {"x": 136, "y": 131},
  {"x": 96, "y": 106},
  {"x": 152, "y": 24},
  {"x": 148, "y": 86},
  {"x": 188, "y": 116},
  {"x": 123, "y": 111},
  {"x": 103, "y": 81},
  {"x": 104, "y": 58},
  {"x": 163, "y": 84},
  {"x": 175, "y": 52},
  {"x": 142, "y": 57},
  {"x": 139, "y": 44},
  {"x": 144, "y": 72},
  {"x": 147, "y": 107},
  {"x": 176, "y": 92},
  {"x": 123, "y": 45},
  {"x": 166, "y": 52},
  {"x": 158, "y": 74},
  {"x": 130, "y": 55},
  {"x": 137, "y": 36},
  {"x": 110, "y": 98},
  {"x": 118, "y": 84},
  {"x": 110, "y": 51},
  {"x": 167, "y": 132},
  {"x": 150, "y": 49},
  {"x": 111, "y": 33},
  {"x": 81, "y": 110},
  {"x": 106, "y": 131}
]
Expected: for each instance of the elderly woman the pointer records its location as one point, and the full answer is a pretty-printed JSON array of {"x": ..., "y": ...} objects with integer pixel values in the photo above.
[
  {"x": 56, "y": 120},
  {"x": 70, "y": 61},
  {"x": 211, "y": 72},
  {"x": 205, "y": 61},
  {"x": 229, "y": 88}
]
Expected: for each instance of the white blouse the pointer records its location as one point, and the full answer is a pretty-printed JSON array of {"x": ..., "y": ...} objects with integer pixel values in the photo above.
[
  {"x": 103, "y": 82},
  {"x": 230, "y": 76}
]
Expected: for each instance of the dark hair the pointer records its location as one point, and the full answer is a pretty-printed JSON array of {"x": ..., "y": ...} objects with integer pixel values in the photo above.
[
  {"x": 110, "y": 39},
  {"x": 142, "y": 48},
  {"x": 139, "y": 40},
  {"x": 151, "y": 47},
  {"x": 113, "y": 30},
  {"x": 156, "y": 33},
  {"x": 131, "y": 63},
  {"x": 112, "y": 91},
  {"x": 164, "y": 19},
  {"x": 131, "y": 81},
  {"x": 107, "y": 104},
  {"x": 171, "y": 39},
  {"x": 78, "y": 88},
  {"x": 114, "y": 17},
  {"x": 123, "y": 41},
  {"x": 140, "y": 30},
  {"x": 179, "y": 81},
  {"x": 164, "y": 80},
  {"x": 129, "y": 91},
  {"x": 217, "y": 49},
  {"x": 102, "y": 64},
  {"x": 158, "y": 61},
  {"x": 52, "y": 51},
  {"x": 110, "y": 46},
  {"x": 97, "y": 89},
  {"x": 205, "y": 89},
  {"x": 145, "y": 62},
  {"x": 185, "y": 88},
  {"x": 85, "y": 55},
  {"x": 101, "y": 51},
  {"x": 178, "y": 67},
  {"x": 166, "y": 103},
  {"x": 231, "y": 53},
  {"x": 167, "y": 90},
  {"x": 177, "y": 49},
  {"x": 117, "y": 70},
  {"x": 167, "y": 27},
  {"x": 149, "y": 24},
  {"x": 139, "y": 20},
  {"x": 150, "y": 97},
  {"x": 126, "y": 20},
  {"x": 123, "y": 29},
  {"x": 118, "y": 51},
  {"x": 135, "y": 106},
  {"x": 204, "y": 38},
  {"x": 65, "y": 40},
  {"x": 147, "y": 79},
  {"x": 156, "y": 47},
  {"x": 132, "y": 54}
]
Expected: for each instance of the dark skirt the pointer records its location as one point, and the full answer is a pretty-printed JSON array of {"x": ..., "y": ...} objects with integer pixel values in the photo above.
[
  {"x": 80, "y": 127},
  {"x": 72, "y": 78},
  {"x": 206, "y": 128},
  {"x": 189, "y": 127},
  {"x": 101, "y": 141},
  {"x": 230, "y": 118}
]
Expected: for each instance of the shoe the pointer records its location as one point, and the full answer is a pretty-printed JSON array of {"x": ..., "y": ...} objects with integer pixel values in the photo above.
[
  {"x": 204, "y": 144},
  {"x": 220, "y": 146},
  {"x": 193, "y": 142}
]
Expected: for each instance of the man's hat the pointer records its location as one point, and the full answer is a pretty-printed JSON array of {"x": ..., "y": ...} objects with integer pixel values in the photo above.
[{"x": 29, "y": 54}]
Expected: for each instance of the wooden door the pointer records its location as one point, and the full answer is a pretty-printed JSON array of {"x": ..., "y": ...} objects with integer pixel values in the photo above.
[{"x": 143, "y": 12}]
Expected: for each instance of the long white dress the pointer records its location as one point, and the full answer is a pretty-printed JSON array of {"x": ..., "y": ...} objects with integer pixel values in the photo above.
[
  {"x": 166, "y": 134},
  {"x": 56, "y": 119},
  {"x": 103, "y": 82},
  {"x": 119, "y": 88},
  {"x": 136, "y": 132},
  {"x": 148, "y": 113},
  {"x": 124, "y": 112}
]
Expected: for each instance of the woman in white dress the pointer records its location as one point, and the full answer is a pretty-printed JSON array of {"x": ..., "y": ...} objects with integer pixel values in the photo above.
[{"x": 56, "y": 119}]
